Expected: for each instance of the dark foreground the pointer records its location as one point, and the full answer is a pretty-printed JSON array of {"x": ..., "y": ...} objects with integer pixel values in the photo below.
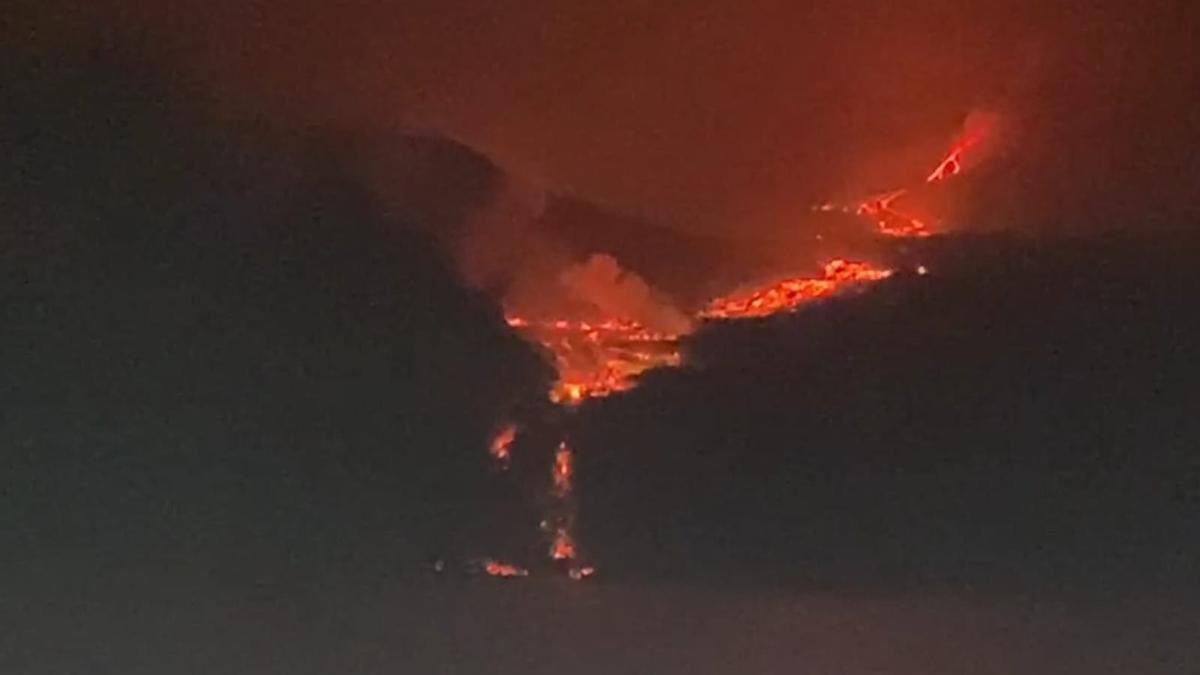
[{"x": 133, "y": 624}]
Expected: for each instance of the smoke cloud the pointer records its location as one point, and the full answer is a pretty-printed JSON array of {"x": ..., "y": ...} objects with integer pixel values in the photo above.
[
  {"x": 722, "y": 118},
  {"x": 508, "y": 248},
  {"x": 601, "y": 283}
]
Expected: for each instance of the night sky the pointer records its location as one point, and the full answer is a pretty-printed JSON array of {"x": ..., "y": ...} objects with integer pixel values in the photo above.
[{"x": 253, "y": 264}]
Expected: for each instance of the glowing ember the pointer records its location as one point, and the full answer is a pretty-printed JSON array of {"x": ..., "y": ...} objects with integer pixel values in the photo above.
[
  {"x": 892, "y": 222},
  {"x": 495, "y": 568},
  {"x": 597, "y": 359},
  {"x": 577, "y": 573},
  {"x": 791, "y": 293},
  {"x": 501, "y": 447},
  {"x": 973, "y": 139},
  {"x": 563, "y": 546},
  {"x": 889, "y": 221},
  {"x": 562, "y": 470},
  {"x": 950, "y": 166},
  {"x": 562, "y": 543}
]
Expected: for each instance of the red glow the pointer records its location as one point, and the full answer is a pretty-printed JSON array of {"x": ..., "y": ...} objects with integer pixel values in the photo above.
[
  {"x": 790, "y": 293},
  {"x": 501, "y": 446},
  {"x": 970, "y": 145},
  {"x": 563, "y": 546},
  {"x": 562, "y": 470},
  {"x": 950, "y": 166},
  {"x": 881, "y": 209},
  {"x": 578, "y": 573},
  {"x": 596, "y": 359},
  {"x": 599, "y": 358},
  {"x": 889, "y": 221},
  {"x": 495, "y": 568}
]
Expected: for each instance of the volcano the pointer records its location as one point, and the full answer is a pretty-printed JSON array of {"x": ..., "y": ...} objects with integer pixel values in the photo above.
[{"x": 598, "y": 359}]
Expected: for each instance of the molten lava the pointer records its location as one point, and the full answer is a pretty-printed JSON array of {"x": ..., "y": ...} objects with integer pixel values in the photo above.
[
  {"x": 972, "y": 145},
  {"x": 889, "y": 221},
  {"x": 788, "y": 294},
  {"x": 501, "y": 447},
  {"x": 950, "y": 166},
  {"x": 577, "y": 573},
  {"x": 562, "y": 517},
  {"x": 563, "y": 546},
  {"x": 562, "y": 470},
  {"x": 495, "y": 568},
  {"x": 597, "y": 359}
]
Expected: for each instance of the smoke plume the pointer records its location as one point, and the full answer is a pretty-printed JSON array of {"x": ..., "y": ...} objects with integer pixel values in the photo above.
[
  {"x": 601, "y": 283},
  {"x": 506, "y": 247}
]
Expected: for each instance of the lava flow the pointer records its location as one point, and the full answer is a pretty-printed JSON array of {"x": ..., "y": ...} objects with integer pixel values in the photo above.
[
  {"x": 791, "y": 293},
  {"x": 496, "y": 568},
  {"x": 501, "y": 447},
  {"x": 594, "y": 360},
  {"x": 598, "y": 359},
  {"x": 562, "y": 470},
  {"x": 891, "y": 221}
]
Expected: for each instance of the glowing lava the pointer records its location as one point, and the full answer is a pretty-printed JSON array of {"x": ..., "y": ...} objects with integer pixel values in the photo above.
[
  {"x": 889, "y": 221},
  {"x": 595, "y": 360},
  {"x": 972, "y": 144},
  {"x": 495, "y": 568},
  {"x": 563, "y": 546},
  {"x": 561, "y": 523},
  {"x": 789, "y": 294},
  {"x": 501, "y": 447},
  {"x": 950, "y": 166},
  {"x": 577, "y": 573},
  {"x": 562, "y": 470},
  {"x": 598, "y": 359}
]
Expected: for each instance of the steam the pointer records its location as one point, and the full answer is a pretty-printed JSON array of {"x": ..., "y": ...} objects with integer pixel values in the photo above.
[
  {"x": 507, "y": 249},
  {"x": 601, "y": 283},
  {"x": 980, "y": 138}
]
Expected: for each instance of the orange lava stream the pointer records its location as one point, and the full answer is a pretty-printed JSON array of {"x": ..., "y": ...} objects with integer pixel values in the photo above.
[
  {"x": 563, "y": 546},
  {"x": 501, "y": 446},
  {"x": 562, "y": 470},
  {"x": 594, "y": 360},
  {"x": 597, "y": 359},
  {"x": 950, "y": 166},
  {"x": 495, "y": 568},
  {"x": 562, "y": 518},
  {"x": 889, "y": 221},
  {"x": 789, "y": 294}
]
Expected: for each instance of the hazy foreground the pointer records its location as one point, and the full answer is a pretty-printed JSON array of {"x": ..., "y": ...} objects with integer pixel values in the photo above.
[{"x": 133, "y": 624}]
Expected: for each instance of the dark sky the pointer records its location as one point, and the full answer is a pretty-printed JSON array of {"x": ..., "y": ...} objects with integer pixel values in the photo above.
[
  {"x": 246, "y": 389},
  {"x": 722, "y": 116}
]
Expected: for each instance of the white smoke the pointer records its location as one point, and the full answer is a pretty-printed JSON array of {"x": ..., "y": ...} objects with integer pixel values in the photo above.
[{"x": 601, "y": 283}]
